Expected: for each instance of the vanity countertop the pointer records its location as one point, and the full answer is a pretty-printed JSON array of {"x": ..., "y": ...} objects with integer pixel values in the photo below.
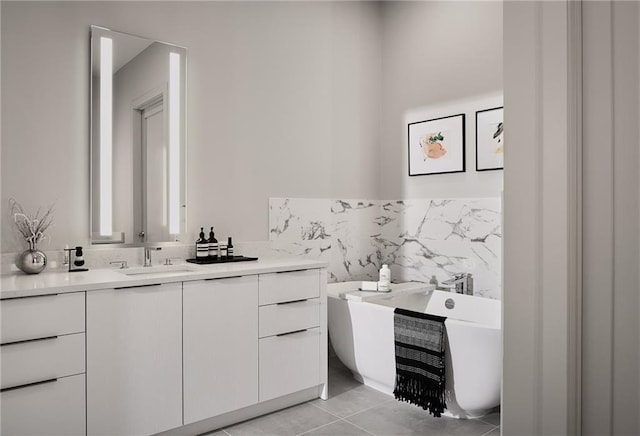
[{"x": 18, "y": 284}]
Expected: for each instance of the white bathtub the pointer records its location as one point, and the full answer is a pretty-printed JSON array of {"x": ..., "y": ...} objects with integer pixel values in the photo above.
[{"x": 361, "y": 333}]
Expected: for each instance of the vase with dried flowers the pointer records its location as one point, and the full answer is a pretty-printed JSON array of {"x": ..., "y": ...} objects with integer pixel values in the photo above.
[{"x": 32, "y": 227}]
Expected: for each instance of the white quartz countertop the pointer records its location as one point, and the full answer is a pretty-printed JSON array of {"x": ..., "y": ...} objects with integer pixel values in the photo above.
[{"x": 18, "y": 284}]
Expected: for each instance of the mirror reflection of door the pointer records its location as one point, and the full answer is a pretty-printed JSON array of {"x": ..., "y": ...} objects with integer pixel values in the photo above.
[{"x": 151, "y": 212}]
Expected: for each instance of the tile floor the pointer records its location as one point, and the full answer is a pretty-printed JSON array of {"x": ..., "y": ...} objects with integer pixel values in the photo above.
[{"x": 355, "y": 409}]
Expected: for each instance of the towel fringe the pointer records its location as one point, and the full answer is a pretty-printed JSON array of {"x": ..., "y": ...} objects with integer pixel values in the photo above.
[{"x": 424, "y": 393}]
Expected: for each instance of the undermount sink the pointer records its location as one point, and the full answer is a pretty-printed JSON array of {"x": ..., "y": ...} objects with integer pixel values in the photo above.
[{"x": 160, "y": 269}]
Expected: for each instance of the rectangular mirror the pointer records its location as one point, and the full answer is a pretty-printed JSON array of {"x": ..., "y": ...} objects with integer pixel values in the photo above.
[{"x": 138, "y": 139}]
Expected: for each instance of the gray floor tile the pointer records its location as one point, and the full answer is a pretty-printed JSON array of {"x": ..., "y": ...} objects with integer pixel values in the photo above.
[
  {"x": 494, "y": 432},
  {"x": 492, "y": 418},
  {"x": 365, "y": 411},
  {"x": 395, "y": 418},
  {"x": 216, "y": 433},
  {"x": 340, "y": 381},
  {"x": 352, "y": 401},
  {"x": 339, "y": 428},
  {"x": 291, "y": 421}
]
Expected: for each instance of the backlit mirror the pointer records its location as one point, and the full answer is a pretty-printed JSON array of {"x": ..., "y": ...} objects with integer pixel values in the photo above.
[{"x": 138, "y": 139}]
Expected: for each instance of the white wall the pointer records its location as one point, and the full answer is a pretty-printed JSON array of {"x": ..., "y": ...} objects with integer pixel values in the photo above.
[
  {"x": 436, "y": 54},
  {"x": 356, "y": 85},
  {"x": 283, "y": 99}
]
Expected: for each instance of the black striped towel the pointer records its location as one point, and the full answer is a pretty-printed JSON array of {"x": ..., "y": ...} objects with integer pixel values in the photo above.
[{"x": 419, "y": 343}]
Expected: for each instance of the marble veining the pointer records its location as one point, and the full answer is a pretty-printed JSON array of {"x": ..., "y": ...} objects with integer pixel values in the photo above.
[
  {"x": 419, "y": 238},
  {"x": 299, "y": 219}
]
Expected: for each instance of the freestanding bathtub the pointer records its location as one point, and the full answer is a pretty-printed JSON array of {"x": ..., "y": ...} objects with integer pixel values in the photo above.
[{"x": 361, "y": 332}]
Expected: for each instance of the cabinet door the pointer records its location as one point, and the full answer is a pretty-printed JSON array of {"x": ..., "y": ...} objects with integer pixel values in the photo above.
[
  {"x": 134, "y": 360},
  {"x": 220, "y": 346}
]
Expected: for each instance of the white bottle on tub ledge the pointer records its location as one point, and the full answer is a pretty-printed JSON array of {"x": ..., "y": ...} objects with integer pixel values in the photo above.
[{"x": 384, "y": 283}]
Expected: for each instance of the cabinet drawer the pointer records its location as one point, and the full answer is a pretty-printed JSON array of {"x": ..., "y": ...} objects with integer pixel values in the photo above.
[
  {"x": 44, "y": 359},
  {"x": 48, "y": 315},
  {"x": 289, "y": 363},
  {"x": 289, "y": 317},
  {"x": 289, "y": 286},
  {"x": 55, "y": 408}
]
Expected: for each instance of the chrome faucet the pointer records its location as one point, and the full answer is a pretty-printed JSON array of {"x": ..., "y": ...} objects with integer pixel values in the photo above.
[
  {"x": 123, "y": 263},
  {"x": 463, "y": 283},
  {"x": 147, "y": 254}
]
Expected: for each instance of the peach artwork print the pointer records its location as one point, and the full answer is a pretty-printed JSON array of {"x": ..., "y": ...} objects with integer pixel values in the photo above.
[
  {"x": 431, "y": 145},
  {"x": 436, "y": 146}
]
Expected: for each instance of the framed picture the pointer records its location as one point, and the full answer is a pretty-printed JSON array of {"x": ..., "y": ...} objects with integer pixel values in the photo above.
[
  {"x": 490, "y": 139},
  {"x": 437, "y": 146}
]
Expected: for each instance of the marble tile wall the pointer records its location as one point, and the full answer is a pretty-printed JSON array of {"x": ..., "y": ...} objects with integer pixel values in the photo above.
[{"x": 418, "y": 238}]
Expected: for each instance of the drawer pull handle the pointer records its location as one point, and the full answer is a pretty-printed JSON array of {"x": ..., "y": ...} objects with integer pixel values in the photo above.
[
  {"x": 224, "y": 278},
  {"x": 29, "y": 385},
  {"x": 29, "y": 340},
  {"x": 31, "y": 296},
  {"x": 291, "y": 302},
  {"x": 139, "y": 286},
  {"x": 291, "y": 271},
  {"x": 292, "y": 333}
]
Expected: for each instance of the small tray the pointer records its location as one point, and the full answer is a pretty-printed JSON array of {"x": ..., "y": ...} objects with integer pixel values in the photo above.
[{"x": 208, "y": 260}]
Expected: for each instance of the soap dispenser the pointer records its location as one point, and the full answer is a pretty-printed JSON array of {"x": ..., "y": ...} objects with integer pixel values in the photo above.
[
  {"x": 213, "y": 245},
  {"x": 77, "y": 255},
  {"x": 229, "y": 248},
  {"x": 79, "y": 260},
  {"x": 384, "y": 285},
  {"x": 202, "y": 246}
]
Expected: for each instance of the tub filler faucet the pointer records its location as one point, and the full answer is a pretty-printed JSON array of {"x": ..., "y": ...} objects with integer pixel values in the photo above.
[{"x": 463, "y": 283}]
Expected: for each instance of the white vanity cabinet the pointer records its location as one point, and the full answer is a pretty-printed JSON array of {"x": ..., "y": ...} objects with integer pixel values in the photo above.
[
  {"x": 290, "y": 334},
  {"x": 220, "y": 336},
  {"x": 134, "y": 360},
  {"x": 43, "y": 365},
  {"x": 147, "y": 355}
]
